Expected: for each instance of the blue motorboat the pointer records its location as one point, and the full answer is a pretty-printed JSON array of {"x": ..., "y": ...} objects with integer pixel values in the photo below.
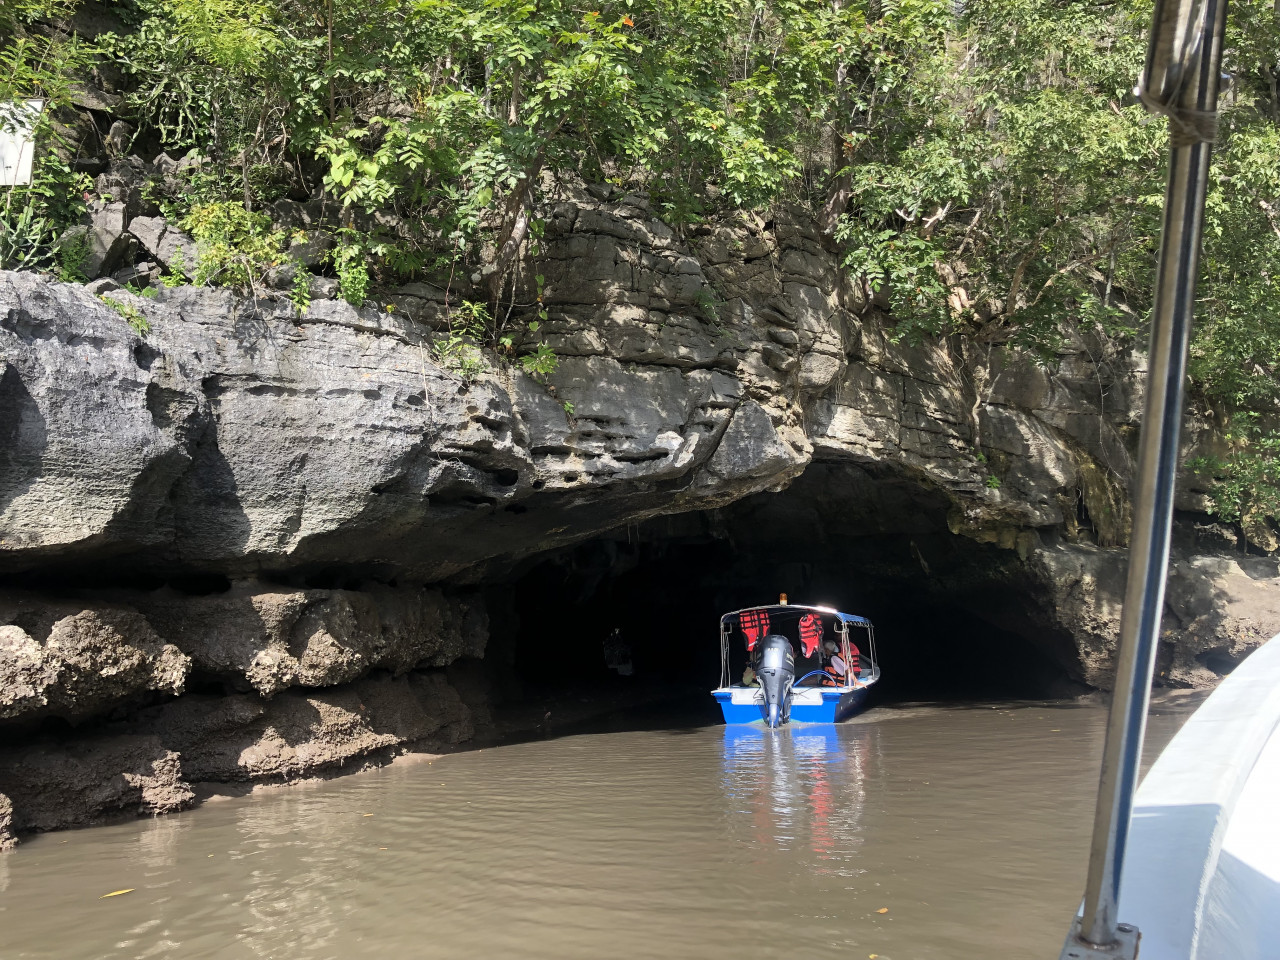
[{"x": 797, "y": 664}]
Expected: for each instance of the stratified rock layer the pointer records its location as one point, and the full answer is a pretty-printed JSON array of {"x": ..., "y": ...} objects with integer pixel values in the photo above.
[{"x": 257, "y": 452}]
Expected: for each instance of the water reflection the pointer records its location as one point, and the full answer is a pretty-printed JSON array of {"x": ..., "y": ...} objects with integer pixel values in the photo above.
[
  {"x": 294, "y": 851},
  {"x": 158, "y": 843},
  {"x": 804, "y": 788}
]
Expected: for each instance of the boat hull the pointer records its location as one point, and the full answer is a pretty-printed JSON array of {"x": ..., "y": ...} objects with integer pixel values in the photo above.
[{"x": 808, "y": 704}]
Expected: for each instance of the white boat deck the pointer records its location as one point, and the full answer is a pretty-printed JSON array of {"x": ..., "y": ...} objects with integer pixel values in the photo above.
[
  {"x": 1202, "y": 867},
  {"x": 804, "y": 696}
]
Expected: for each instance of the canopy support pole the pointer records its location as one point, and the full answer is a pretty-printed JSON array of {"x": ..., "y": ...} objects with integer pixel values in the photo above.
[{"x": 1181, "y": 80}]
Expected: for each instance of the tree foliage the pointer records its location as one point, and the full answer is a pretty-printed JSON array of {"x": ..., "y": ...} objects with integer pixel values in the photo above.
[{"x": 39, "y": 59}]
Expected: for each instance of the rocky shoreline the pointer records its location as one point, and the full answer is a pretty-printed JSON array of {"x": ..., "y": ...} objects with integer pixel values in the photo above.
[{"x": 252, "y": 545}]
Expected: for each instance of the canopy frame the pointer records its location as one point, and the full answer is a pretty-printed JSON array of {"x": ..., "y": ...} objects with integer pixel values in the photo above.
[{"x": 843, "y": 621}]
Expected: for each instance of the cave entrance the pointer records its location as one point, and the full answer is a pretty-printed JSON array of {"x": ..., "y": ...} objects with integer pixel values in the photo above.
[{"x": 951, "y": 615}]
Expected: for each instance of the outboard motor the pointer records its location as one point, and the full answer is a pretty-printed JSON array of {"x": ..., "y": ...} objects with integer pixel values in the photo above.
[{"x": 777, "y": 672}]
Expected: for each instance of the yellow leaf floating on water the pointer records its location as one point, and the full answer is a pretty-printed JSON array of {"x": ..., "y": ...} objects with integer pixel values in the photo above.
[
  {"x": 117, "y": 893},
  {"x": 883, "y": 910},
  {"x": 367, "y": 814}
]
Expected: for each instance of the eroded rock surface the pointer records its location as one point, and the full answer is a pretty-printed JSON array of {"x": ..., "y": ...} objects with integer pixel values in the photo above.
[
  {"x": 7, "y": 839},
  {"x": 274, "y": 638},
  {"x": 85, "y": 661}
]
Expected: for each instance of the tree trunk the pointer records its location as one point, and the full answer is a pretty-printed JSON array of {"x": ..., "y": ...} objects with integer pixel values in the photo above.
[
  {"x": 515, "y": 228},
  {"x": 841, "y": 186}
]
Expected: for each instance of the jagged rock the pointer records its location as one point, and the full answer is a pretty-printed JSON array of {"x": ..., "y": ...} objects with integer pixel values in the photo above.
[
  {"x": 323, "y": 288},
  {"x": 25, "y": 673},
  {"x": 102, "y": 285},
  {"x": 106, "y": 656},
  {"x": 1223, "y": 608},
  {"x": 751, "y": 447},
  {"x": 191, "y": 161},
  {"x": 7, "y": 840},
  {"x": 91, "y": 98},
  {"x": 295, "y": 735},
  {"x": 291, "y": 215},
  {"x": 317, "y": 463},
  {"x": 139, "y": 275},
  {"x": 1218, "y": 609},
  {"x": 275, "y": 638},
  {"x": 149, "y": 770},
  {"x": 283, "y": 276},
  {"x": 165, "y": 165},
  {"x": 85, "y": 663},
  {"x": 289, "y": 459},
  {"x": 172, "y": 248},
  {"x": 313, "y": 250},
  {"x": 125, "y": 181},
  {"x": 239, "y": 440},
  {"x": 77, "y": 140},
  {"x": 108, "y": 243}
]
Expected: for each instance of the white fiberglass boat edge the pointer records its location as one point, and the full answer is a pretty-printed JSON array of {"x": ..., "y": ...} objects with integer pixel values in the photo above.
[{"x": 1202, "y": 873}]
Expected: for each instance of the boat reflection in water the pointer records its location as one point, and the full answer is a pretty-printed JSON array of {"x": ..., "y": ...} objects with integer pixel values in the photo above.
[{"x": 803, "y": 787}]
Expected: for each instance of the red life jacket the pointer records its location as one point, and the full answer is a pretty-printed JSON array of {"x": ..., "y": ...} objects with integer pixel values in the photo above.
[
  {"x": 810, "y": 634},
  {"x": 755, "y": 625}
]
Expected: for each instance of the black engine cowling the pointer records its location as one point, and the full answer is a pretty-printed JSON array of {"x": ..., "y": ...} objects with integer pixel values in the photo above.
[{"x": 777, "y": 672}]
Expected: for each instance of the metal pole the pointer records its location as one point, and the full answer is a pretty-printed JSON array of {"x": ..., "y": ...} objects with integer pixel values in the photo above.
[{"x": 1188, "y": 93}]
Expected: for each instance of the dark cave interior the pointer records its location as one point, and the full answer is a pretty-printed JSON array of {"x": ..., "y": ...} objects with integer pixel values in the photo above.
[{"x": 955, "y": 619}]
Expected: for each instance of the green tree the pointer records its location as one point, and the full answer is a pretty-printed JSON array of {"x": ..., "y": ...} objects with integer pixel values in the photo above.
[{"x": 40, "y": 58}]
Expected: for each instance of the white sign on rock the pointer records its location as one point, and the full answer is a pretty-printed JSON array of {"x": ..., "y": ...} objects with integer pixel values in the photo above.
[{"x": 17, "y": 140}]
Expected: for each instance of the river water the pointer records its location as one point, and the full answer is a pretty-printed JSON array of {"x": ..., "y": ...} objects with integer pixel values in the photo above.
[{"x": 912, "y": 833}]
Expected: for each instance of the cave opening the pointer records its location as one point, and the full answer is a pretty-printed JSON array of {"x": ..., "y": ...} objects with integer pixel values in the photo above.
[{"x": 955, "y": 619}]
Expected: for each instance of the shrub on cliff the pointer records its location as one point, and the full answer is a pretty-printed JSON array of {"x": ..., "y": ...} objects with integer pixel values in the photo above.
[{"x": 40, "y": 58}]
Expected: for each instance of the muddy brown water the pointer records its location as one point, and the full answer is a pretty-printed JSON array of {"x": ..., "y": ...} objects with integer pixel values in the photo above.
[{"x": 912, "y": 833}]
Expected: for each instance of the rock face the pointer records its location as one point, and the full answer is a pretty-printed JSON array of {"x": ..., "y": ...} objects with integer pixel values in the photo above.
[
  {"x": 270, "y": 638},
  {"x": 7, "y": 839},
  {"x": 289, "y": 517},
  {"x": 88, "y": 662},
  {"x": 52, "y": 787}
]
